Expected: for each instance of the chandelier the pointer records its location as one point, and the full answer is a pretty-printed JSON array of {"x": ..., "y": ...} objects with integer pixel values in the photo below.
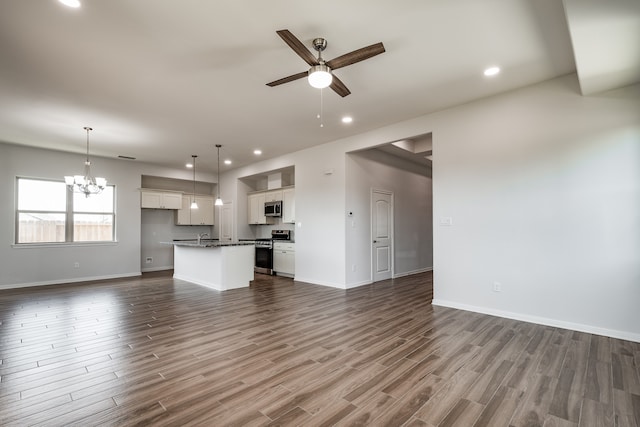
[{"x": 86, "y": 184}]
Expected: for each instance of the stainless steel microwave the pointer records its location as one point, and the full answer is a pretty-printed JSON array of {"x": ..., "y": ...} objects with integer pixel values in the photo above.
[{"x": 273, "y": 208}]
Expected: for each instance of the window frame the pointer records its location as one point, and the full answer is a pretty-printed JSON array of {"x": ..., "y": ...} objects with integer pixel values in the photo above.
[{"x": 69, "y": 217}]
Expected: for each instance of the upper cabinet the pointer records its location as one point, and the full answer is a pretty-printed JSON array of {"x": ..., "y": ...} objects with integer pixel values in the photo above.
[
  {"x": 273, "y": 196},
  {"x": 160, "y": 199},
  {"x": 289, "y": 205},
  {"x": 256, "y": 203},
  {"x": 203, "y": 215}
]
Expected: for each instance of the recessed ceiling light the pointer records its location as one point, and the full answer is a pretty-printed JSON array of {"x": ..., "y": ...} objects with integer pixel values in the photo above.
[
  {"x": 70, "y": 3},
  {"x": 257, "y": 152},
  {"x": 189, "y": 165},
  {"x": 227, "y": 162},
  {"x": 491, "y": 71},
  {"x": 347, "y": 119}
]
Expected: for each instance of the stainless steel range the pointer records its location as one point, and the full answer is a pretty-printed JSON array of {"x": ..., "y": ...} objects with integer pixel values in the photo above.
[{"x": 264, "y": 251}]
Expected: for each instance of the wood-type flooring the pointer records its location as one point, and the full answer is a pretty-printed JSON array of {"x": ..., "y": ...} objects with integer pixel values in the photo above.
[{"x": 163, "y": 352}]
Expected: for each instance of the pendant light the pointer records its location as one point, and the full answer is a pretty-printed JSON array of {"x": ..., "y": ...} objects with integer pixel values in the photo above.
[
  {"x": 218, "y": 199},
  {"x": 86, "y": 184},
  {"x": 194, "y": 205}
]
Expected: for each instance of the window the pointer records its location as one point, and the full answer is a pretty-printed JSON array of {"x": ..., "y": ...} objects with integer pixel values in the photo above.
[{"x": 49, "y": 213}]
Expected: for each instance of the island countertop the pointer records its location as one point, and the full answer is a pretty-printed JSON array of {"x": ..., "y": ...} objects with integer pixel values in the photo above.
[{"x": 207, "y": 243}]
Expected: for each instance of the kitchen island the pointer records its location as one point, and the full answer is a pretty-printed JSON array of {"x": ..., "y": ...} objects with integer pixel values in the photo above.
[{"x": 219, "y": 265}]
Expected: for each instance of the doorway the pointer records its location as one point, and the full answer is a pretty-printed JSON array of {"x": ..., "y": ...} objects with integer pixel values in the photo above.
[{"x": 381, "y": 235}]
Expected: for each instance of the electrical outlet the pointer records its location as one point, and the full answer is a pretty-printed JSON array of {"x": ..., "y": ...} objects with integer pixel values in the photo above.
[
  {"x": 353, "y": 268},
  {"x": 149, "y": 260},
  {"x": 497, "y": 287},
  {"x": 76, "y": 265},
  {"x": 446, "y": 221}
]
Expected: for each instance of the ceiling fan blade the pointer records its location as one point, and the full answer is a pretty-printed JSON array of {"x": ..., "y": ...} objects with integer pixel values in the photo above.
[
  {"x": 288, "y": 79},
  {"x": 356, "y": 56},
  {"x": 339, "y": 87},
  {"x": 298, "y": 47}
]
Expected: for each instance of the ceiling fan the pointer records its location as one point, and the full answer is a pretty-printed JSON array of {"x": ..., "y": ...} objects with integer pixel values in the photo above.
[{"x": 320, "y": 74}]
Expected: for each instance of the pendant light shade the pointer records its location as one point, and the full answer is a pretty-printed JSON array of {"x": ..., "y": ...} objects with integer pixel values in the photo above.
[
  {"x": 218, "y": 199},
  {"x": 194, "y": 205},
  {"x": 86, "y": 184}
]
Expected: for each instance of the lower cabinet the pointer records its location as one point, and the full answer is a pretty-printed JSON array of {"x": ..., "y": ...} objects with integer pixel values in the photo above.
[
  {"x": 201, "y": 216},
  {"x": 284, "y": 258}
]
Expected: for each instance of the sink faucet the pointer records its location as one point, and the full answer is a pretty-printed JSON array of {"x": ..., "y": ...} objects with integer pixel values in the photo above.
[{"x": 201, "y": 236}]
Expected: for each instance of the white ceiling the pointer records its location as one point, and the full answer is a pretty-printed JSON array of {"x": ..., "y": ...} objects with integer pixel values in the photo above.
[{"x": 160, "y": 80}]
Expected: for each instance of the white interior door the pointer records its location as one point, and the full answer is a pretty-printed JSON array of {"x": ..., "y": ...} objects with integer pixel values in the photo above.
[
  {"x": 226, "y": 221},
  {"x": 382, "y": 234}
]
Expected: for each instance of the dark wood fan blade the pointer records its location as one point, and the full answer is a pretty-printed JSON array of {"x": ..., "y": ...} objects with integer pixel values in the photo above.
[
  {"x": 288, "y": 79},
  {"x": 339, "y": 87},
  {"x": 356, "y": 56},
  {"x": 298, "y": 47}
]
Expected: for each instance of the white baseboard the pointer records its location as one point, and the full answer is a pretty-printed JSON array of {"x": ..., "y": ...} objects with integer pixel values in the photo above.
[
  {"x": 312, "y": 282},
  {"x": 410, "y": 273},
  {"x": 150, "y": 269},
  {"x": 63, "y": 281},
  {"x": 358, "y": 284},
  {"x": 629, "y": 336},
  {"x": 364, "y": 282}
]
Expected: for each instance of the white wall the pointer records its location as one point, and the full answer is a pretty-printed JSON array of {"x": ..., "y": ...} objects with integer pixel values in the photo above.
[
  {"x": 543, "y": 186},
  {"x": 411, "y": 187},
  {"x": 26, "y": 266},
  {"x": 320, "y": 201}
]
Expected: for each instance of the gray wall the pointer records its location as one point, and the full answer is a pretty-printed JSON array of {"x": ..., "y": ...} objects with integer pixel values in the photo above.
[
  {"x": 50, "y": 264},
  {"x": 158, "y": 226}
]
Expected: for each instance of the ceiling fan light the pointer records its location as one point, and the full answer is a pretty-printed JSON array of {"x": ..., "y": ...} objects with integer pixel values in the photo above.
[{"x": 320, "y": 76}]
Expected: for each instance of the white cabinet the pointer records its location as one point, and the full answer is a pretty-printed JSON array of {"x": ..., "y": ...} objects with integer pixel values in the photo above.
[
  {"x": 160, "y": 200},
  {"x": 289, "y": 205},
  {"x": 273, "y": 196},
  {"x": 202, "y": 216},
  {"x": 256, "y": 203},
  {"x": 183, "y": 215},
  {"x": 284, "y": 258},
  {"x": 256, "y": 209}
]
